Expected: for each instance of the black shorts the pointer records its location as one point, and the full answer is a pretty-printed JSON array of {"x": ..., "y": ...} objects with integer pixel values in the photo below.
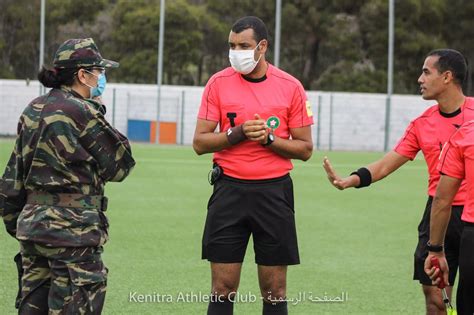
[
  {"x": 451, "y": 243},
  {"x": 263, "y": 208},
  {"x": 465, "y": 292}
]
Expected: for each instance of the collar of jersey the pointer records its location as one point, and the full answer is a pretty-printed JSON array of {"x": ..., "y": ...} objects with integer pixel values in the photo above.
[
  {"x": 451, "y": 115},
  {"x": 257, "y": 80}
]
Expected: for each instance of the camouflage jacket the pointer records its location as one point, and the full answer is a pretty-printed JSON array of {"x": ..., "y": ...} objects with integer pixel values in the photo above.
[{"x": 64, "y": 145}]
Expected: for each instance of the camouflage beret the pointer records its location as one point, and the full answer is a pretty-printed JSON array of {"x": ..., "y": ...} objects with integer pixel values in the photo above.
[{"x": 75, "y": 53}]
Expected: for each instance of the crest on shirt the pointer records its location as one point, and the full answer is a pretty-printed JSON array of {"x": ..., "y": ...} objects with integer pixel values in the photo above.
[{"x": 273, "y": 122}]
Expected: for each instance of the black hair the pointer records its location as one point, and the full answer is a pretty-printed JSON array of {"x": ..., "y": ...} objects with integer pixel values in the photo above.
[
  {"x": 451, "y": 60},
  {"x": 54, "y": 78},
  {"x": 259, "y": 29}
]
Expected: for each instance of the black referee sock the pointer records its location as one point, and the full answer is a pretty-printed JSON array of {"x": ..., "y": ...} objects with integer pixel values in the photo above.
[
  {"x": 280, "y": 308},
  {"x": 217, "y": 307}
]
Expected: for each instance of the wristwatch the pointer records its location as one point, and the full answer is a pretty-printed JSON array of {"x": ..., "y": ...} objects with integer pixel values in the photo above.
[
  {"x": 434, "y": 248},
  {"x": 270, "y": 139}
]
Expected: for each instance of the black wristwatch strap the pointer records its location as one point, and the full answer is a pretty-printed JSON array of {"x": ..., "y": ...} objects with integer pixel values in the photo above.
[
  {"x": 270, "y": 139},
  {"x": 434, "y": 248}
]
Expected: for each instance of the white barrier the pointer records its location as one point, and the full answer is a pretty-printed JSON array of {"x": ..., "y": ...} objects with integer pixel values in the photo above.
[{"x": 343, "y": 121}]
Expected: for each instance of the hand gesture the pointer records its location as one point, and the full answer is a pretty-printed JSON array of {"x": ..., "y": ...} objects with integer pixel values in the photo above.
[
  {"x": 256, "y": 129},
  {"x": 336, "y": 180},
  {"x": 437, "y": 275}
]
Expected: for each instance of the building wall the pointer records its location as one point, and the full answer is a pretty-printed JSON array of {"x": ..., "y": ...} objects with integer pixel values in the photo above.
[{"x": 343, "y": 121}]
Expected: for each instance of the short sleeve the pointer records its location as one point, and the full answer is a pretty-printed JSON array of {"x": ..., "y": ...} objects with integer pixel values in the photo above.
[
  {"x": 300, "y": 114},
  {"x": 408, "y": 145},
  {"x": 451, "y": 161},
  {"x": 210, "y": 107}
]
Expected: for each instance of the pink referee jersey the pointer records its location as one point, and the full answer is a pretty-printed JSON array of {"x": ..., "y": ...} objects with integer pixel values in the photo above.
[
  {"x": 278, "y": 98},
  {"x": 457, "y": 160},
  {"x": 428, "y": 133}
]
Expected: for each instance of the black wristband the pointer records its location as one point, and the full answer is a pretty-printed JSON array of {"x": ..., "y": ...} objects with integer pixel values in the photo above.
[
  {"x": 236, "y": 134},
  {"x": 364, "y": 176},
  {"x": 434, "y": 248}
]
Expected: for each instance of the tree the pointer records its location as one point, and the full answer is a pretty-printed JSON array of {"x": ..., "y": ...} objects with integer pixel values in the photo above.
[
  {"x": 134, "y": 41},
  {"x": 19, "y": 43},
  {"x": 337, "y": 45},
  {"x": 459, "y": 33},
  {"x": 418, "y": 25},
  {"x": 19, "y": 26}
]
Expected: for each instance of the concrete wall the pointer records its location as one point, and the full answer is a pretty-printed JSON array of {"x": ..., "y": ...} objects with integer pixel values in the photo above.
[{"x": 343, "y": 121}]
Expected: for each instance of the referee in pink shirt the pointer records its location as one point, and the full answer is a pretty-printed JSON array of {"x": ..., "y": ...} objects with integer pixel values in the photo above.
[
  {"x": 263, "y": 120},
  {"x": 443, "y": 74},
  {"x": 456, "y": 165}
]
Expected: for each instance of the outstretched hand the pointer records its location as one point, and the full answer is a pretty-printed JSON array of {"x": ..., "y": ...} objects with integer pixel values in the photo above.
[{"x": 336, "y": 180}]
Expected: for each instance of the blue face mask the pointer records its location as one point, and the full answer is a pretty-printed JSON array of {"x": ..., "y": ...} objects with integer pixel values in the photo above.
[
  {"x": 99, "y": 89},
  {"x": 101, "y": 82}
]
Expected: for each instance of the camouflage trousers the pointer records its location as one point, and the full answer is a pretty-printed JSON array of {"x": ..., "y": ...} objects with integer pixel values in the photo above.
[{"x": 62, "y": 280}]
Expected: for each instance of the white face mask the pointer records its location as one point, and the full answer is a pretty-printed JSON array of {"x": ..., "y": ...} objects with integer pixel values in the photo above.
[{"x": 243, "y": 61}]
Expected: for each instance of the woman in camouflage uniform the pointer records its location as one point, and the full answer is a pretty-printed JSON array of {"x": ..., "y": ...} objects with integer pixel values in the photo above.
[{"x": 52, "y": 192}]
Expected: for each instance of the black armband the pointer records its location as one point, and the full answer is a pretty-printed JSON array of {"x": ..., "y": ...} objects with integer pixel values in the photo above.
[
  {"x": 364, "y": 176},
  {"x": 236, "y": 134}
]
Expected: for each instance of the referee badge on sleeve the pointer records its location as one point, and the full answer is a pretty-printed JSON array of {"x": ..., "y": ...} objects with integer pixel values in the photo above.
[{"x": 308, "y": 109}]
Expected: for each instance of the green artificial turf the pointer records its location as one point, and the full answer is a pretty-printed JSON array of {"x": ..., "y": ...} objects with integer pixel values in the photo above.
[{"x": 356, "y": 244}]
